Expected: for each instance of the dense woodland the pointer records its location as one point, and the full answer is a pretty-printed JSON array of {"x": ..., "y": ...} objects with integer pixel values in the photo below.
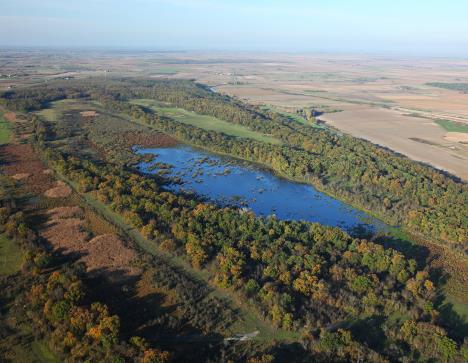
[
  {"x": 399, "y": 190},
  {"x": 302, "y": 277}
]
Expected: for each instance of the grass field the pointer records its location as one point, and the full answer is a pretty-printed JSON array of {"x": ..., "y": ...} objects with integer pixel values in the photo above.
[
  {"x": 58, "y": 107},
  {"x": 11, "y": 256},
  {"x": 451, "y": 126},
  {"x": 205, "y": 122},
  {"x": 5, "y": 130},
  {"x": 34, "y": 351},
  {"x": 293, "y": 117}
]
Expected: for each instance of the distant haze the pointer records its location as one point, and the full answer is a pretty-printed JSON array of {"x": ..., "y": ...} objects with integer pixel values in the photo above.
[{"x": 417, "y": 27}]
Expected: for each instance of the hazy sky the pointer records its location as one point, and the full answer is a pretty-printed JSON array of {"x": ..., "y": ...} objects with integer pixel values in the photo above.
[{"x": 438, "y": 27}]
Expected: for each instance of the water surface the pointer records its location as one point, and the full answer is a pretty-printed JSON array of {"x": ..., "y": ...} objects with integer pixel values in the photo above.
[{"x": 227, "y": 181}]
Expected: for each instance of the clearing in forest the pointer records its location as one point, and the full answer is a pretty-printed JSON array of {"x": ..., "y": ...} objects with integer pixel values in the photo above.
[
  {"x": 205, "y": 122},
  {"x": 11, "y": 256},
  {"x": 5, "y": 129}
]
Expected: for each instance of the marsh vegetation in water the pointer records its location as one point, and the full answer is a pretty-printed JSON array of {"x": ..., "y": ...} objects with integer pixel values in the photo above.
[{"x": 227, "y": 181}]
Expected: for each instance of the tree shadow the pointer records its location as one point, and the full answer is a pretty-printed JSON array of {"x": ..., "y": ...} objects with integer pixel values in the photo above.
[
  {"x": 407, "y": 248},
  {"x": 455, "y": 324}
]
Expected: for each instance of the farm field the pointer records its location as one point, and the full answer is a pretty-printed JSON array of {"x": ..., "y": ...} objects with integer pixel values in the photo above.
[
  {"x": 452, "y": 126},
  {"x": 418, "y": 138}
]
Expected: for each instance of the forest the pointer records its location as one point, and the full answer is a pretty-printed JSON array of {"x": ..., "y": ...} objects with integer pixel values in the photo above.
[
  {"x": 305, "y": 278},
  {"x": 394, "y": 188}
]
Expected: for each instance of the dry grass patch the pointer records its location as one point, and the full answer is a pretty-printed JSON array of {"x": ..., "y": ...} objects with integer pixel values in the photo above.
[
  {"x": 21, "y": 159},
  {"x": 98, "y": 225},
  {"x": 88, "y": 113},
  {"x": 461, "y": 137},
  {"x": 10, "y": 116},
  {"x": 60, "y": 191},
  {"x": 20, "y": 176},
  {"x": 65, "y": 212},
  {"x": 107, "y": 252},
  {"x": 65, "y": 234}
]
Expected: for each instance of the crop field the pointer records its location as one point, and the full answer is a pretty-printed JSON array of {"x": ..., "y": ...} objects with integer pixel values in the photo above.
[
  {"x": 452, "y": 126},
  {"x": 206, "y": 122},
  {"x": 418, "y": 138}
]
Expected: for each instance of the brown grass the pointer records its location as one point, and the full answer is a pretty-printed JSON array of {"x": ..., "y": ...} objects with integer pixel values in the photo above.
[
  {"x": 88, "y": 113},
  {"x": 60, "y": 191},
  {"x": 64, "y": 212},
  {"x": 21, "y": 159},
  {"x": 65, "y": 231},
  {"x": 20, "y": 176},
  {"x": 10, "y": 116},
  {"x": 108, "y": 252},
  {"x": 65, "y": 234},
  {"x": 97, "y": 224},
  {"x": 147, "y": 139}
]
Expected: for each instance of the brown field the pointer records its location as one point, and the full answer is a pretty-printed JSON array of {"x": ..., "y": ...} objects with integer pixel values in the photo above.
[
  {"x": 64, "y": 212},
  {"x": 60, "y": 191},
  {"x": 20, "y": 159},
  {"x": 65, "y": 231},
  {"x": 20, "y": 176},
  {"x": 459, "y": 137},
  {"x": 88, "y": 113},
  {"x": 10, "y": 116},
  {"x": 108, "y": 252},
  {"x": 417, "y": 138}
]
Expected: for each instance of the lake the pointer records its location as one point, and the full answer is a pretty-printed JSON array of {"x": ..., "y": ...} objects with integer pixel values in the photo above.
[{"x": 227, "y": 181}]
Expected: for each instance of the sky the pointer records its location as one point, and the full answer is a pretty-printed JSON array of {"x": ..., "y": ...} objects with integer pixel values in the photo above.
[{"x": 426, "y": 27}]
